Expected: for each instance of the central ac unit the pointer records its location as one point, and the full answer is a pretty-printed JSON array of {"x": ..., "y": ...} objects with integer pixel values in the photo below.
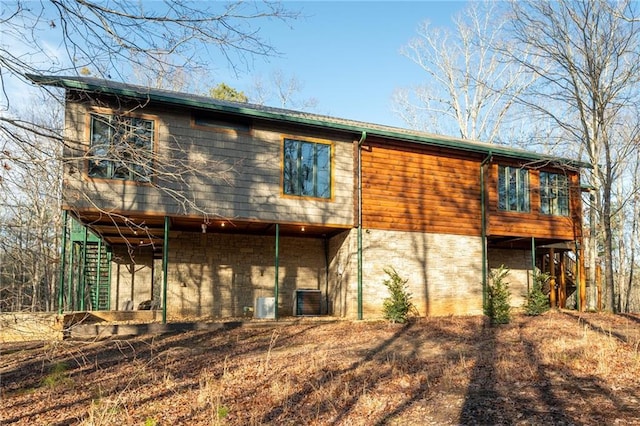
[{"x": 307, "y": 302}]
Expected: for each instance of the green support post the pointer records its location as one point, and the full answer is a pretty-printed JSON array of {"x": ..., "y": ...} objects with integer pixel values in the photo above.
[
  {"x": 96, "y": 302},
  {"x": 72, "y": 246},
  {"x": 165, "y": 261},
  {"x": 277, "y": 265},
  {"x": 83, "y": 271},
  {"x": 109, "y": 281},
  {"x": 63, "y": 254}
]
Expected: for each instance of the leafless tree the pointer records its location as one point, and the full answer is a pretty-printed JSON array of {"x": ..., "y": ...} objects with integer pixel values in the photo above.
[
  {"x": 30, "y": 213},
  {"x": 469, "y": 90},
  {"x": 151, "y": 43},
  {"x": 584, "y": 58},
  {"x": 281, "y": 90}
]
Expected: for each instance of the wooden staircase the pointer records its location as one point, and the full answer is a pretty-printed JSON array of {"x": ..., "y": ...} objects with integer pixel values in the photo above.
[{"x": 564, "y": 281}]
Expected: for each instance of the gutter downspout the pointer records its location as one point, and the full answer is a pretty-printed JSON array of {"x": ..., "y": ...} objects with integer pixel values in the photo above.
[
  {"x": 360, "y": 142},
  {"x": 483, "y": 213}
]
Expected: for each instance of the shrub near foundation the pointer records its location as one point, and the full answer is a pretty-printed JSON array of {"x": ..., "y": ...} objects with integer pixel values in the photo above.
[
  {"x": 498, "y": 306},
  {"x": 397, "y": 306},
  {"x": 537, "y": 302}
]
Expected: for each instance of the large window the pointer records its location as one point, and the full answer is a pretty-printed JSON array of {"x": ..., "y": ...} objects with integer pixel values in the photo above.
[
  {"x": 121, "y": 147},
  {"x": 554, "y": 194},
  {"x": 513, "y": 189},
  {"x": 307, "y": 169}
]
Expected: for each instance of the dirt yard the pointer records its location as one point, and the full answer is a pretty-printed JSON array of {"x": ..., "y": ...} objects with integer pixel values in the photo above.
[{"x": 562, "y": 368}]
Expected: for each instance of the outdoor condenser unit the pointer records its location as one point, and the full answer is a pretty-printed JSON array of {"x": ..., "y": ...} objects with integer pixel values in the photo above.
[
  {"x": 307, "y": 302},
  {"x": 265, "y": 307}
]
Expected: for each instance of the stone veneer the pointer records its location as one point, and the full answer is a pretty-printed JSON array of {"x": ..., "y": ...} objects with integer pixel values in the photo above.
[
  {"x": 443, "y": 271},
  {"x": 222, "y": 275},
  {"x": 519, "y": 264},
  {"x": 131, "y": 277}
]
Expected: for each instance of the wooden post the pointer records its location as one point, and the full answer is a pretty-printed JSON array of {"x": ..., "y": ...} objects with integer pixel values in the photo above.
[
  {"x": 582, "y": 283},
  {"x": 562, "y": 293},
  {"x": 552, "y": 281}
]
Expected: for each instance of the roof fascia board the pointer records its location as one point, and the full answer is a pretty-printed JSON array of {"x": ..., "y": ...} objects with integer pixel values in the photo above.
[{"x": 496, "y": 150}]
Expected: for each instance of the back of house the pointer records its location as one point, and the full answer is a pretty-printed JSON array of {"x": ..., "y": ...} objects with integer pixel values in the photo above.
[{"x": 205, "y": 208}]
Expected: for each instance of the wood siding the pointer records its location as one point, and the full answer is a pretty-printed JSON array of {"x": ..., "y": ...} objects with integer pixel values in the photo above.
[
  {"x": 247, "y": 168},
  {"x": 533, "y": 223},
  {"x": 413, "y": 188},
  {"x": 420, "y": 189}
]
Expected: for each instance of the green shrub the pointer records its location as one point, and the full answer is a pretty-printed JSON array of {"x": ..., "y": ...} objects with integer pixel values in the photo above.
[
  {"x": 537, "y": 302},
  {"x": 498, "y": 307},
  {"x": 397, "y": 306}
]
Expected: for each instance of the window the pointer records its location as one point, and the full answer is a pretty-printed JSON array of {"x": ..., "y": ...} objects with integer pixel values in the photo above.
[
  {"x": 307, "y": 169},
  {"x": 210, "y": 122},
  {"x": 513, "y": 189},
  {"x": 121, "y": 147},
  {"x": 554, "y": 194}
]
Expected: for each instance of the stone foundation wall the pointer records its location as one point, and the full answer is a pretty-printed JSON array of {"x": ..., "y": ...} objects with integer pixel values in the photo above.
[
  {"x": 222, "y": 275},
  {"x": 131, "y": 277},
  {"x": 519, "y": 264},
  {"x": 26, "y": 326},
  {"x": 444, "y": 271}
]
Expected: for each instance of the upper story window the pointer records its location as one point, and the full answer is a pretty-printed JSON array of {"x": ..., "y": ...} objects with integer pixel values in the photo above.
[
  {"x": 307, "y": 169},
  {"x": 554, "y": 194},
  {"x": 214, "y": 122},
  {"x": 513, "y": 189},
  {"x": 121, "y": 147}
]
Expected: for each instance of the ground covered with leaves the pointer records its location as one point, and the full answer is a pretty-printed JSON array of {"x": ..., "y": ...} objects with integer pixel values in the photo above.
[{"x": 559, "y": 368}]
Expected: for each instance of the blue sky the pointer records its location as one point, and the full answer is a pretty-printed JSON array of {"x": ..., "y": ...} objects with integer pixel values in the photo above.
[{"x": 346, "y": 54}]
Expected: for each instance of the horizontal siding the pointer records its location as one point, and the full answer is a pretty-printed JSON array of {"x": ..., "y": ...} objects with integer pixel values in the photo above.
[
  {"x": 242, "y": 179},
  {"x": 533, "y": 223},
  {"x": 420, "y": 190}
]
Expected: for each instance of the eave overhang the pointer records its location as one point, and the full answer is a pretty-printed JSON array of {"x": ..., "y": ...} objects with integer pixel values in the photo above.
[{"x": 107, "y": 87}]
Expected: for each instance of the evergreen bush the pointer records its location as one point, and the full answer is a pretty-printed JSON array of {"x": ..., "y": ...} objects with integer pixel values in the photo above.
[
  {"x": 498, "y": 307},
  {"x": 537, "y": 302},
  {"x": 397, "y": 306}
]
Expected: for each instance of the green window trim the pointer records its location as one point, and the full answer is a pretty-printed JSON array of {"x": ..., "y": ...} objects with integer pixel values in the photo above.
[
  {"x": 513, "y": 189},
  {"x": 306, "y": 170},
  {"x": 121, "y": 147},
  {"x": 554, "y": 194}
]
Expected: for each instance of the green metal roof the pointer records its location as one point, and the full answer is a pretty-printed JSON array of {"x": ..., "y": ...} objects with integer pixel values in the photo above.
[{"x": 95, "y": 85}]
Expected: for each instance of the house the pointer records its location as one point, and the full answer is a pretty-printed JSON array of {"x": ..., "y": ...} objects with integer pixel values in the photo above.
[{"x": 207, "y": 208}]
